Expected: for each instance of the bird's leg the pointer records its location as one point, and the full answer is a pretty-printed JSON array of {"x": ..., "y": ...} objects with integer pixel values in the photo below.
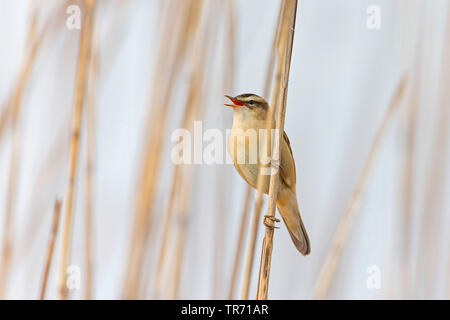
[{"x": 269, "y": 221}]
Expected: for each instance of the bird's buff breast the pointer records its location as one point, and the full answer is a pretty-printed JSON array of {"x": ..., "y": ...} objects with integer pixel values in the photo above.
[{"x": 243, "y": 148}]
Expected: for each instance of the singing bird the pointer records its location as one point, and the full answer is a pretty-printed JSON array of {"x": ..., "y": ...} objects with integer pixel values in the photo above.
[{"x": 250, "y": 116}]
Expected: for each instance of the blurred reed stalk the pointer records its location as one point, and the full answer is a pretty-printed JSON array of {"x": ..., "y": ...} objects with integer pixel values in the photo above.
[
  {"x": 407, "y": 186},
  {"x": 434, "y": 197},
  {"x": 409, "y": 167},
  {"x": 34, "y": 43},
  {"x": 11, "y": 113},
  {"x": 84, "y": 54},
  {"x": 3, "y": 119},
  {"x": 50, "y": 247},
  {"x": 223, "y": 187},
  {"x": 189, "y": 115},
  {"x": 181, "y": 23},
  {"x": 197, "y": 90},
  {"x": 47, "y": 172},
  {"x": 89, "y": 192},
  {"x": 255, "y": 221},
  {"x": 167, "y": 215},
  {"x": 345, "y": 225},
  {"x": 285, "y": 45},
  {"x": 240, "y": 243},
  {"x": 182, "y": 222},
  {"x": 445, "y": 102}
]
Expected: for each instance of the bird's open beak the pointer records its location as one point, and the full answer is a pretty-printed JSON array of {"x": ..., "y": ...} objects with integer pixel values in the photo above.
[{"x": 235, "y": 104}]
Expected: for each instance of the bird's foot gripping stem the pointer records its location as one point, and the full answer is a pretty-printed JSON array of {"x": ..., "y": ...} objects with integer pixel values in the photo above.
[{"x": 269, "y": 221}]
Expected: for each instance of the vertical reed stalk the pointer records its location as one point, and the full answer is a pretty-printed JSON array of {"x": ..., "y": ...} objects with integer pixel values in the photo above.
[
  {"x": 11, "y": 112},
  {"x": 435, "y": 195},
  {"x": 34, "y": 42},
  {"x": 142, "y": 213},
  {"x": 172, "y": 53},
  {"x": 255, "y": 221},
  {"x": 409, "y": 172},
  {"x": 346, "y": 222},
  {"x": 408, "y": 188},
  {"x": 190, "y": 113},
  {"x": 285, "y": 54},
  {"x": 240, "y": 243},
  {"x": 167, "y": 215},
  {"x": 84, "y": 53},
  {"x": 89, "y": 193},
  {"x": 222, "y": 187},
  {"x": 197, "y": 82},
  {"x": 50, "y": 247},
  {"x": 181, "y": 238},
  {"x": 4, "y": 116}
]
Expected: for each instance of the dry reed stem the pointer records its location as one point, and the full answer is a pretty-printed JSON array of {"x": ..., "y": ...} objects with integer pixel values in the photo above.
[
  {"x": 150, "y": 162},
  {"x": 166, "y": 231},
  {"x": 89, "y": 211},
  {"x": 285, "y": 54},
  {"x": 434, "y": 192},
  {"x": 50, "y": 247},
  {"x": 407, "y": 194},
  {"x": 4, "y": 116},
  {"x": 185, "y": 181},
  {"x": 409, "y": 174},
  {"x": 196, "y": 92},
  {"x": 167, "y": 215},
  {"x": 11, "y": 112},
  {"x": 130, "y": 284},
  {"x": 240, "y": 243},
  {"x": 182, "y": 226},
  {"x": 46, "y": 174},
  {"x": 190, "y": 113},
  {"x": 255, "y": 221},
  {"x": 188, "y": 117},
  {"x": 228, "y": 71},
  {"x": 11, "y": 108},
  {"x": 346, "y": 222},
  {"x": 171, "y": 55},
  {"x": 79, "y": 95},
  {"x": 51, "y": 25}
]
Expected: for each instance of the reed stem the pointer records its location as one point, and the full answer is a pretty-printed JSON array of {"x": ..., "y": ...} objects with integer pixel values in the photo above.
[
  {"x": 84, "y": 53},
  {"x": 345, "y": 225},
  {"x": 240, "y": 243},
  {"x": 285, "y": 54},
  {"x": 255, "y": 221},
  {"x": 50, "y": 247}
]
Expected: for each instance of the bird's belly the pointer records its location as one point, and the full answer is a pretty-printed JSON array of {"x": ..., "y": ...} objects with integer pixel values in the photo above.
[
  {"x": 244, "y": 151},
  {"x": 249, "y": 173}
]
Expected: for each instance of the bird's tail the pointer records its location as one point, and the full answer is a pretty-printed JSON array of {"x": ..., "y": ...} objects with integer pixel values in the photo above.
[{"x": 288, "y": 207}]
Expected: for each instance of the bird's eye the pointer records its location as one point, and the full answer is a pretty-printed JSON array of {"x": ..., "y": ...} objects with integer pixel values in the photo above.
[{"x": 251, "y": 102}]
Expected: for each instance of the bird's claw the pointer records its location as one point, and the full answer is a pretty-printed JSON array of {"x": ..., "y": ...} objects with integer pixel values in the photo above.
[{"x": 270, "y": 220}]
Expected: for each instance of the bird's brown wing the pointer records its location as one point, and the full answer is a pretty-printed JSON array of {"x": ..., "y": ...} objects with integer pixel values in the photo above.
[{"x": 287, "y": 170}]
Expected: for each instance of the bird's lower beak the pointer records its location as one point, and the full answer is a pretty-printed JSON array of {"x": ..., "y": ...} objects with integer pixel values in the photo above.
[{"x": 235, "y": 104}]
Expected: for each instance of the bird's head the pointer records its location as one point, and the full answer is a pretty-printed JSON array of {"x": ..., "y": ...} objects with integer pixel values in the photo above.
[{"x": 249, "y": 104}]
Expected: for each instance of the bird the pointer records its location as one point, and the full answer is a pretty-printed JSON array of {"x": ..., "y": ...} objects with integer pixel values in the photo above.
[{"x": 250, "y": 116}]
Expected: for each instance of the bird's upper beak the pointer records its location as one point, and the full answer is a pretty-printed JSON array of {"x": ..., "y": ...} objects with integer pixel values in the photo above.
[{"x": 236, "y": 103}]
